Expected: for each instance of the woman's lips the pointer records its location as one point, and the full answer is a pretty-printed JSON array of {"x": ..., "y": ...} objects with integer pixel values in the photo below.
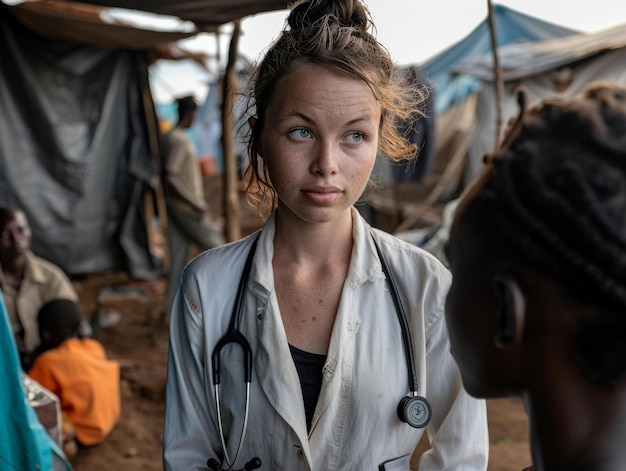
[{"x": 322, "y": 194}]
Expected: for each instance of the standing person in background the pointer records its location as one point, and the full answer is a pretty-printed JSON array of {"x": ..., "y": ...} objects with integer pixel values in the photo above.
[
  {"x": 537, "y": 307},
  {"x": 189, "y": 217},
  {"x": 27, "y": 281},
  {"x": 340, "y": 327}
]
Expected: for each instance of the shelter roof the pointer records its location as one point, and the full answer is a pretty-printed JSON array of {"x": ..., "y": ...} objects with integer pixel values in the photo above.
[
  {"x": 95, "y": 22},
  {"x": 511, "y": 27},
  {"x": 527, "y": 59}
]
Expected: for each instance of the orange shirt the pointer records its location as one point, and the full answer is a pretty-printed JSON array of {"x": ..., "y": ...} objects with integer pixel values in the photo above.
[{"x": 86, "y": 383}]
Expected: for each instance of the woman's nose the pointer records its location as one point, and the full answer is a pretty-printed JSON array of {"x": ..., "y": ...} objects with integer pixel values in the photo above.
[{"x": 325, "y": 161}]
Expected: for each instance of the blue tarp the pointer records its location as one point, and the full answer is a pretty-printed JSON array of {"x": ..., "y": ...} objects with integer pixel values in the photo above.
[
  {"x": 24, "y": 444},
  {"x": 511, "y": 26}
]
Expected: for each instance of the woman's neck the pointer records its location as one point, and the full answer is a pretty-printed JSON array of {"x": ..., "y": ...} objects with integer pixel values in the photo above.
[{"x": 315, "y": 242}]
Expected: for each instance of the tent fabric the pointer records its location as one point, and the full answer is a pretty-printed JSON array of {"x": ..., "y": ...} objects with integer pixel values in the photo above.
[
  {"x": 524, "y": 60},
  {"x": 511, "y": 26},
  {"x": 207, "y": 14},
  {"x": 554, "y": 67},
  {"x": 74, "y": 150},
  {"x": 90, "y": 22},
  {"x": 90, "y": 25},
  {"x": 607, "y": 66}
]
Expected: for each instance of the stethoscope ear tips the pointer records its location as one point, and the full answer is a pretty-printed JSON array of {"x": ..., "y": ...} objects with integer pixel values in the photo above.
[{"x": 415, "y": 411}]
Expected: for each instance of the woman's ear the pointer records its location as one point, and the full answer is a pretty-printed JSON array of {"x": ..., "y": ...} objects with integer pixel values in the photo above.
[{"x": 511, "y": 312}]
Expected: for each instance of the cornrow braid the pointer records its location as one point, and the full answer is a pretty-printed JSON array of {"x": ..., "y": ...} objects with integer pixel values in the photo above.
[{"x": 560, "y": 188}]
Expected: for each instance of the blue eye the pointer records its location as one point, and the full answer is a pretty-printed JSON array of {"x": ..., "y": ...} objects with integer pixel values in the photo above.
[
  {"x": 356, "y": 137},
  {"x": 300, "y": 133}
]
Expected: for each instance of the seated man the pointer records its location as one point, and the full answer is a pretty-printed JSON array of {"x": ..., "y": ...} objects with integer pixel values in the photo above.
[
  {"x": 78, "y": 372},
  {"x": 537, "y": 307},
  {"x": 27, "y": 281}
]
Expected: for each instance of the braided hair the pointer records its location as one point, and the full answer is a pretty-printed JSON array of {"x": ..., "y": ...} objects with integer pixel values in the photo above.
[
  {"x": 335, "y": 34},
  {"x": 557, "y": 186}
]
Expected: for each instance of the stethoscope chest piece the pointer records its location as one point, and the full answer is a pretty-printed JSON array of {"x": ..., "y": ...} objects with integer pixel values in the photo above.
[{"x": 415, "y": 411}]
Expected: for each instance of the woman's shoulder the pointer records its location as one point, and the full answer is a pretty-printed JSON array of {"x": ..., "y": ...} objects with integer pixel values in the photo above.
[
  {"x": 219, "y": 261},
  {"x": 403, "y": 254}
]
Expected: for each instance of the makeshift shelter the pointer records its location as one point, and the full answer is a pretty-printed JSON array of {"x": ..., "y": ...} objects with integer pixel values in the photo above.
[
  {"x": 511, "y": 27},
  {"x": 79, "y": 137},
  {"x": 557, "y": 67},
  {"x": 455, "y": 99}
]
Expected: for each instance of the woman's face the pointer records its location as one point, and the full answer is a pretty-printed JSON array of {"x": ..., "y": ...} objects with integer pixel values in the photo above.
[
  {"x": 319, "y": 142},
  {"x": 15, "y": 235}
]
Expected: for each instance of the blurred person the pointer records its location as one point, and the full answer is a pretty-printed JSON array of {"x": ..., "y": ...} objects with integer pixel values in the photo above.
[
  {"x": 537, "y": 307},
  {"x": 26, "y": 280},
  {"x": 188, "y": 213},
  {"x": 78, "y": 372}
]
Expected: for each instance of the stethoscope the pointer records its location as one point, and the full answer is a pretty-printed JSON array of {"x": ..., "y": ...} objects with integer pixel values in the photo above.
[{"x": 413, "y": 409}]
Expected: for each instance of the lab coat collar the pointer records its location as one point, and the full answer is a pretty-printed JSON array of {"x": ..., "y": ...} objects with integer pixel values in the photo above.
[{"x": 364, "y": 262}]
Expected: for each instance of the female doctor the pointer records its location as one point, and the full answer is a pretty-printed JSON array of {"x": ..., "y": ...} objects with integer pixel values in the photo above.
[{"x": 318, "y": 343}]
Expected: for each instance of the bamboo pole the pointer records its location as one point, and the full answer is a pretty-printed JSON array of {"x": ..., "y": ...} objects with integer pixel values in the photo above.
[
  {"x": 232, "y": 209},
  {"x": 497, "y": 72}
]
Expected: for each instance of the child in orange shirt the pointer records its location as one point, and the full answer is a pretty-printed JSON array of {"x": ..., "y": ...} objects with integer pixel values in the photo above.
[{"x": 78, "y": 372}]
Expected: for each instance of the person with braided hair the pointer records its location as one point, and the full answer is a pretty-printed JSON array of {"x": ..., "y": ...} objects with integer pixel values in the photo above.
[
  {"x": 537, "y": 250},
  {"x": 333, "y": 353}
]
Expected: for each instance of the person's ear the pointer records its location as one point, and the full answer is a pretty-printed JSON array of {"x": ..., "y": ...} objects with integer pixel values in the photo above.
[{"x": 511, "y": 312}]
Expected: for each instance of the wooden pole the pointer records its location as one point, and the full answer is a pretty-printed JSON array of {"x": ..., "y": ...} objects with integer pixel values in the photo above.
[
  {"x": 232, "y": 209},
  {"x": 497, "y": 72}
]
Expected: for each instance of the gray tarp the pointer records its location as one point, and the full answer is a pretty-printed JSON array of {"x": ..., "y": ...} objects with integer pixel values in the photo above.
[{"x": 74, "y": 150}]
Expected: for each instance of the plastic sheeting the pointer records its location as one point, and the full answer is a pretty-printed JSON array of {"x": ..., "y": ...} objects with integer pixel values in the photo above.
[
  {"x": 24, "y": 444},
  {"x": 205, "y": 13},
  {"x": 511, "y": 26},
  {"x": 74, "y": 150}
]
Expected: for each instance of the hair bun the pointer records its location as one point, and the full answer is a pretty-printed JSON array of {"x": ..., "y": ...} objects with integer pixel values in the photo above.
[{"x": 347, "y": 13}]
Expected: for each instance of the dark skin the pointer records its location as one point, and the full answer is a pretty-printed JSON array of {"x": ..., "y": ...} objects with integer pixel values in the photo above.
[
  {"x": 513, "y": 332},
  {"x": 15, "y": 238}
]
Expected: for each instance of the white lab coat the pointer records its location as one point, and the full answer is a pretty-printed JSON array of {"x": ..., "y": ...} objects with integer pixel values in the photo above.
[{"x": 355, "y": 425}]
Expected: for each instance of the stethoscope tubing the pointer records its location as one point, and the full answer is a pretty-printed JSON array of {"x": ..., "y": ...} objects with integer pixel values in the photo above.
[
  {"x": 402, "y": 318},
  {"x": 234, "y": 335},
  {"x": 221, "y": 428}
]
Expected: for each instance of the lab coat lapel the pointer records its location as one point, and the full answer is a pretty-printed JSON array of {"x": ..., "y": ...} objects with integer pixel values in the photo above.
[{"x": 274, "y": 366}]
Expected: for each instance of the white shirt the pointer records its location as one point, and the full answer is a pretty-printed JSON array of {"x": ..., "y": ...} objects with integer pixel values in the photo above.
[{"x": 355, "y": 425}]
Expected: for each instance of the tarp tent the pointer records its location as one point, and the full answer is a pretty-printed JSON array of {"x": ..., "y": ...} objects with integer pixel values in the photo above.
[
  {"x": 511, "y": 27},
  {"x": 78, "y": 146},
  {"x": 557, "y": 67},
  {"x": 454, "y": 96}
]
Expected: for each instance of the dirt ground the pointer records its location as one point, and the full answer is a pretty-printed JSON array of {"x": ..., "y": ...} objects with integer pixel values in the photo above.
[{"x": 135, "y": 443}]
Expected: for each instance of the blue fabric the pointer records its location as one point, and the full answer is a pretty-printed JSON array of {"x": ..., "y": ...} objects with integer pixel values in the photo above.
[
  {"x": 24, "y": 444},
  {"x": 511, "y": 26}
]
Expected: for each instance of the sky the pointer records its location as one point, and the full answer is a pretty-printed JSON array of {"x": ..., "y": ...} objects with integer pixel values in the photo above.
[{"x": 412, "y": 30}]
